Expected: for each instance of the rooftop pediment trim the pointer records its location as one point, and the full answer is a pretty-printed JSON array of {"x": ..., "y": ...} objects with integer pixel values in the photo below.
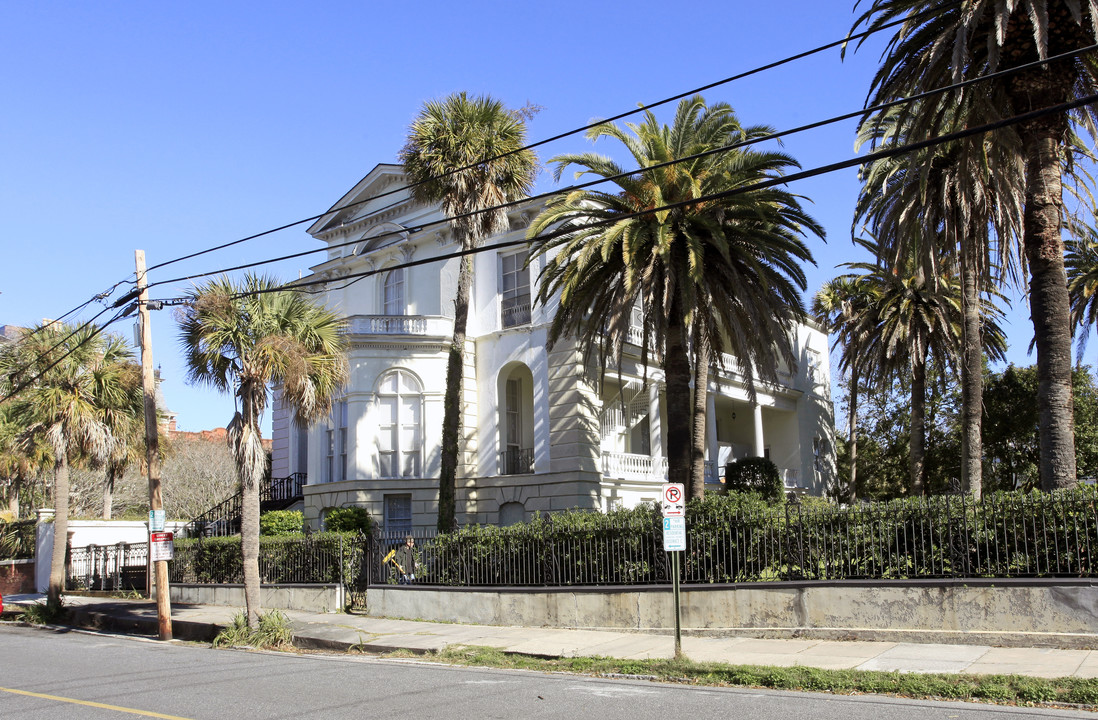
[
  {"x": 352, "y": 208},
  {"x": 382, "y": 235}
]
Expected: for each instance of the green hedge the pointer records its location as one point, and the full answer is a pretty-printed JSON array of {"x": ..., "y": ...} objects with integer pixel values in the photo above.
[
  {"x": 282, "y": 522},
  {"x": 317, "y": 558}
]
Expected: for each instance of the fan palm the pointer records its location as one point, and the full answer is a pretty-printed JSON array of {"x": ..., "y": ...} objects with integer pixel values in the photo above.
[
  {"x": 946, "y": 42},
  {"x": 72, "y": 377},
  {"x": 242, "y": 338},
  {"x": 466, "y": 153},
  {"x": 727, "y": 269}
]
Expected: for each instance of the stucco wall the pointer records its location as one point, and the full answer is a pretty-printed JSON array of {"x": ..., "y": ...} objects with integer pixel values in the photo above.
[
  {"x": 1034, "y": 612},
  {"x": 308, "y": 598}
]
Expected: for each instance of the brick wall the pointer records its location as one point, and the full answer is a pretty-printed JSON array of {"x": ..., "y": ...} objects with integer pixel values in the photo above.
[{"x": 16, "y": 577}]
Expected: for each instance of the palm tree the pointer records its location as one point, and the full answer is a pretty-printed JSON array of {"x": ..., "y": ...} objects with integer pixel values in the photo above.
[
  {"x": 74, "y": 376},
  {"x": 125, "y": 422},
  {"x": 468, "y": 154},
  {"x": 1081, "y": 261},
  {"x": 943, "y": 43},
  {"x": 847, "y": 307},
  {"x": 914, "y": 317},
  {"x": 726, "y": 269},
  {"x": 21, "y": 456},
  {"x": 956, "y": 204},
  {"x": 242, "y": 338}
]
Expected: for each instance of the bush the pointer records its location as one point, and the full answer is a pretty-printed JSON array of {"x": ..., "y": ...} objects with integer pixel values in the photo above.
[
  {"x": 757, "y": 475},
  {"x": 282, "y": 559},
  {"x": 281, "y": 522},
  {"x": 348, "y": 519}
]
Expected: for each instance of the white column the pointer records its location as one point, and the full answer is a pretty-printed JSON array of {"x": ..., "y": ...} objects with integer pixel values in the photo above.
[
  {"x": 712, "y": 450},
  {"x": 655, "y": 431},
  {"x": 759, "y": 441}
]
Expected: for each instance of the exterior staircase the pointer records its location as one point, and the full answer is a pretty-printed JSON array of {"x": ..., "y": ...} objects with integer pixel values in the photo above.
[{"x": 224, "y": 518}]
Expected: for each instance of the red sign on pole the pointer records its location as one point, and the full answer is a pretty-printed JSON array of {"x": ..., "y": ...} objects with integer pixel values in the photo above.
[
  {"x": 160, "y": 546},
  {"x": 673, "y": 500}
]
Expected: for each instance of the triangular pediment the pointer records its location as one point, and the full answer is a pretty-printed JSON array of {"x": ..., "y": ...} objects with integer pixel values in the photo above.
[{"x": 369, "y": 195}]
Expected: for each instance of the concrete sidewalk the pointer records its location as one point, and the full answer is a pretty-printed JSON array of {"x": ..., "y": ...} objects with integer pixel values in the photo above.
[{"x": 338, "y": 631}]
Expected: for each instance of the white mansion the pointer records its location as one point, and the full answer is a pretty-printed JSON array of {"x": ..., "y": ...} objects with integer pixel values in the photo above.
[{"x": 542, "y": 431}]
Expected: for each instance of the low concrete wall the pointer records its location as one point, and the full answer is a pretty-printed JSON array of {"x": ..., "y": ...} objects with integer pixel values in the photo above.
[
  {"x": 16, "y": 577},
  {"x": 310, "y": 598},
  {"x": 1058, "y": 612}
]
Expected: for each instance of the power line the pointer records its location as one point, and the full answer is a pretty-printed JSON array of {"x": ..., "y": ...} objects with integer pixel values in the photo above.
[
  {"x": 740, "y": 76},
  {"x": 580, "y": 186},
  {"x": 881, "y": 154}
]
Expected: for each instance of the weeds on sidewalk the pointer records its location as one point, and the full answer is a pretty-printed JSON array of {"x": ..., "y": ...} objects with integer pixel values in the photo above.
[
  {"x": 274, "y": 632},
  {"x": 47, "y": 612},
  {"x": 1001, "y": 689}
]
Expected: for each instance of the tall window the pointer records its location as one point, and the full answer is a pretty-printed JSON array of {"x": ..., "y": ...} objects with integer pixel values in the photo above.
[
  {"x": 514, "y": 290},
  {"x": 400, "y": 420},
  {"x": 335, "y": 437},
  {"x": 398, "y": 516},
  {"x": 393, "y": 302}
]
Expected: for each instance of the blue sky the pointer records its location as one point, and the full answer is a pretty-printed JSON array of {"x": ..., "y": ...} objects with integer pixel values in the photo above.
[{"x": 175, "y": 127}]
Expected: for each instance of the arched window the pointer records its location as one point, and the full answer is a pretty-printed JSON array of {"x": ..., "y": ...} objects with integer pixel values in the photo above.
[
  {"x": 399, "y": 425},
  {"x": 393, "y": 293}
]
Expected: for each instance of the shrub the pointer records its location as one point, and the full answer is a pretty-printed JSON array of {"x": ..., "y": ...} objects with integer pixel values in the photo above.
[
  {"x": 281, "y": 522},
  {"x": 349, "y": 519},
  {"x": 274, "y": 631},
  {"x": 757, "y": 475}
]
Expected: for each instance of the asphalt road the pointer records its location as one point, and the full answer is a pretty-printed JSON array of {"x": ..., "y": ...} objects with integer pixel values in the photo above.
[{"x": 69, "y": 674}]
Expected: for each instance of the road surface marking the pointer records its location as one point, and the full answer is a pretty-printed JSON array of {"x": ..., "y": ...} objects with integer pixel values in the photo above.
[{"x": 118, "y": 708}]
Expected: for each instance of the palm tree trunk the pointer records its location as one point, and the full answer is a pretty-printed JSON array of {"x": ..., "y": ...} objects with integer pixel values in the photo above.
[
  {"x": 60, "y": 530},
  {"x": 918, "y": 424},
  {"x": 679, "y": 409},
  {"x": 13, "y": 499},
  {"x": 696, "y": 488},
  {"x": 1048, "y": 298},
  {"x": 249, "y": 518},
  {"x": 108, "y": 491},
  {"x": 972, "y": 378},
  {"x": 451, "y": 417},
  {"x": 852, "y": 432}
]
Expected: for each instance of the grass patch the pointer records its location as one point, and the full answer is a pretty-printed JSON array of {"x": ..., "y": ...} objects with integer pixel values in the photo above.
[
  {"x": 1001, "y": 689},
  {"x": 273, "y": 633}
]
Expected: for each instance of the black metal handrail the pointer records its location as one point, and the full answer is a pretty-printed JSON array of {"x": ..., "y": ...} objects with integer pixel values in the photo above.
[
  {"x": 224, "y": 518},
  {"x": 516, "y": 461}
]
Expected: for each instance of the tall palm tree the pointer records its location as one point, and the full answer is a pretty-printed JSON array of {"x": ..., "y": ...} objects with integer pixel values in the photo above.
[
  {"x": 915, "y": 316},
  {"x": 957, "y": 204},
  {"x": 74, "y": 375},
  {"x": 726, "y": 269},
  {"x": 946, "y": 42},
  {"x": 242, "y": 338},
  {"x": 847, "y": 307},
  {"x": 125, "y": 421},
  {"x": 467, "y": 153}
]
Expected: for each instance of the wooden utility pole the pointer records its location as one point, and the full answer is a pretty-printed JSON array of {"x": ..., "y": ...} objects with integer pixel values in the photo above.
[{"x": 152, "y": 444}]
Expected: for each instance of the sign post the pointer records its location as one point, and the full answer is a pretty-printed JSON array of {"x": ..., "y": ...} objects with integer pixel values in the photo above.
[{"x": 673, "y": 504}]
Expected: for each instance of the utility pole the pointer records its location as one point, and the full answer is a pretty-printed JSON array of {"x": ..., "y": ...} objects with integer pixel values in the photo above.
[{"x": 152, "y": 444}]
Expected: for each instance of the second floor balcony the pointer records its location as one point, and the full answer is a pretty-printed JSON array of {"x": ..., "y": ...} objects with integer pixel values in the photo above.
[{"x": 388, "y": 325}]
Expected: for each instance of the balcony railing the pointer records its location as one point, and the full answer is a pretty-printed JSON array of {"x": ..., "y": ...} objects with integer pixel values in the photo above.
[
  {"x": 516, "y": 461},
  {"x": 630, "y": 466},
  {"x": 515, "y": 311},
  {"x": 398, "y": 325}
]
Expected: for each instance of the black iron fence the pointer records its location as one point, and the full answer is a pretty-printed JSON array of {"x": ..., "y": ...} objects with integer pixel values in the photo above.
[
  {"x": 942, "y": 537},
  {"x": 729, "y": 539},
  {"x": 516, "y": 461},
  {"x": 109, "y": 568}
]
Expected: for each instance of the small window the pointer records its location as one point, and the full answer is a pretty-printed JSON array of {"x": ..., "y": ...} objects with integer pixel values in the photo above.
[{"x": 335, "y": 437}]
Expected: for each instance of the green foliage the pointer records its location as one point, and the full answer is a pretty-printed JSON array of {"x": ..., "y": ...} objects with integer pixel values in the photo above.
[
  {"x": 47, "y": 612},
  {"x": 349, "y": 519},
  {"x": 755, "y": 474},
  {"x": 281, "y": 522},
  {"x": 274, "y": 632},
  {"x": 317, "y": 558},
  {"x": 1011, "y": 440},
  {"x": 17, "y": 540}
]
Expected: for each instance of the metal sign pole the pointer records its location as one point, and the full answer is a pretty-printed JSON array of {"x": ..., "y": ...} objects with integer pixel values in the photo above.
[{"x": 678, "y": 605}]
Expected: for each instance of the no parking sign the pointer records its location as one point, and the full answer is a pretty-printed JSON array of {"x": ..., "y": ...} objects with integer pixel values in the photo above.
[{"x": 673, "y": 500}]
